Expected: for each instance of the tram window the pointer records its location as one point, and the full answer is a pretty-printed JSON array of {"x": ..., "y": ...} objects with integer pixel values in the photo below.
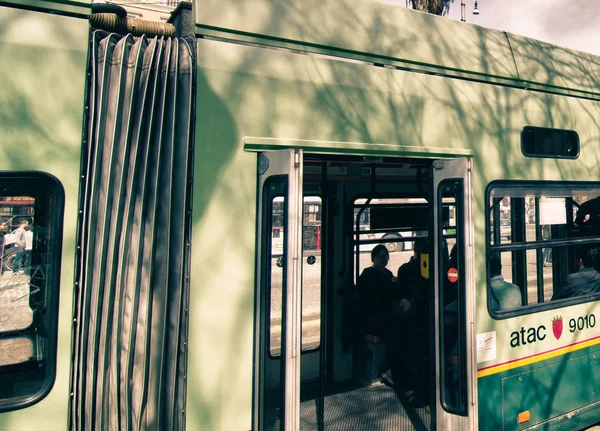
[
  {"x": 547, "y": 239},
  {"x": 31, "y": 211},
  {"x": 545, "y": 142}
]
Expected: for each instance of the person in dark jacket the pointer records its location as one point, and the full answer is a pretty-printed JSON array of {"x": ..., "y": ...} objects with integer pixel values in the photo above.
[
  {"x": 378, "y": 294},
  {"x": 586, "y": 281},
  {"x": 381, "y": 307},
  {"x": 413, "y": 283}
]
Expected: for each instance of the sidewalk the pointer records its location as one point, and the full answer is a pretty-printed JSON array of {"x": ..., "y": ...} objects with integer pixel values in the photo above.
[{"x": 15, "y": 313}]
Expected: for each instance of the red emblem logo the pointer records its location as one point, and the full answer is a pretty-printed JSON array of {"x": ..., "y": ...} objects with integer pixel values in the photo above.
[{"x": 557, "y": 326}]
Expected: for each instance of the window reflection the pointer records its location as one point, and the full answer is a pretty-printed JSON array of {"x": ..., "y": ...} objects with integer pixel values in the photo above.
[
  {"x": 547, "y": 236},
  {"x": 17, "y": 238}
]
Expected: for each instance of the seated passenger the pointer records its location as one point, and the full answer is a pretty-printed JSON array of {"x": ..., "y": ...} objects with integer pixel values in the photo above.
[
  {"x": 588, "y": 216},
  {"x": 505, "y": 296},
  {"x": 586, "y": 281}
]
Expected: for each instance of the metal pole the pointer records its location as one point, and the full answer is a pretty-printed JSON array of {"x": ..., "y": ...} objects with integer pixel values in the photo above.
[{"x": 462, "y": 10}]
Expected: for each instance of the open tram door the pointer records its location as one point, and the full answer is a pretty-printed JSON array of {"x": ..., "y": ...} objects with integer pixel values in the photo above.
[
  {"x": 454, "y": 294},
  {"x": 279, "y": 328},
  {"x": 278, "y": 317}
]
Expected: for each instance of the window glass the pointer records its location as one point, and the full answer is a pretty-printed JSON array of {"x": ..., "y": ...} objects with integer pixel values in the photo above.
[
  {"x": 277, "y": 274},
  {"x": 311, "y": 274},
  {"x": 31, "y": 210},
  {"x": 544, "y": 244},
  {"x": 452, "y": 301},
  {"x": 545, "y": 142},
  {"x": 393, "y": 222}
]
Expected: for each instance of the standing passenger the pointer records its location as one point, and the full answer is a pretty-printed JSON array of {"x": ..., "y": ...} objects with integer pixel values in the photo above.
[
  {"x": 379, "y": 301},
  {"x": 415, "y": 286},
  {"x": 3, "y": 231},
  {"x": 411, "y": 281}
]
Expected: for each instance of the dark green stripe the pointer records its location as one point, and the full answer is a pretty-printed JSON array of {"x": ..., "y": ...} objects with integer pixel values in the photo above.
[{"x": 59, "y": 7}]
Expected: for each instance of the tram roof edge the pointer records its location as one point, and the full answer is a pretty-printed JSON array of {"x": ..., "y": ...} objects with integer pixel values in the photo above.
[{"x": 366, "y": 30}]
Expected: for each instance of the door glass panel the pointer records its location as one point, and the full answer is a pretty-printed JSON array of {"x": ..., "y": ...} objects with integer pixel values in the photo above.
[
  {"x": 452, "y": 297},
  {"x": 277, "y": 220},
  {"x": 311, "y": 274},
  {"x": 274, "y": 271}
]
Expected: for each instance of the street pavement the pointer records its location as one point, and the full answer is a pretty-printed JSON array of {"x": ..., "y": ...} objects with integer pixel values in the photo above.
[
  {"x": 15, "y": 316},
  {"x": 15, "y": 313}
]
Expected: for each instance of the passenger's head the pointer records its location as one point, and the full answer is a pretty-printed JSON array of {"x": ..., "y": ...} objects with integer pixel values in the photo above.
[
  {"x": 590, "y": 256},
  {"x": 495, "y": 264},
  {"x": 420, "y": 246},
  {"x": 380, "y": 255},
  {"x": 454, "y": 256},
  {"x": 23, "y": 222}
]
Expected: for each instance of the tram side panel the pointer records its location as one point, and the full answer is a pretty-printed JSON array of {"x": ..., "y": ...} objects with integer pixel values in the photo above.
[
  {"x": 43, "y": 59},
  {"x": 531, "y": 367},
  {"x": 251, "y": 98},
  {"x": 245, "y": 92}
]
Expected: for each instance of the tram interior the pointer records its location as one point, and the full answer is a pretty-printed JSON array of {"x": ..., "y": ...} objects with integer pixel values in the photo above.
[
  {"x": 354, "y": 204},
  {"x": 351, "y": 205}
]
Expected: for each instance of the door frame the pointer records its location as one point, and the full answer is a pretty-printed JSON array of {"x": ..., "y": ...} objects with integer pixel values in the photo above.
[
  {"x": 461, "y": 169},
  {"x": 286, "y": 163},
  {"x": 290, "y": 162}
]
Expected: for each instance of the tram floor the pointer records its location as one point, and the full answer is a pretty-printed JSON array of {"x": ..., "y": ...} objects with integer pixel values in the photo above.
[{"x": 372, "y": 408}]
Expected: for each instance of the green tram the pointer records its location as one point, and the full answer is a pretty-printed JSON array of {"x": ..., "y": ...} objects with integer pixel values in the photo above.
[{"x": 204, "y": 195}]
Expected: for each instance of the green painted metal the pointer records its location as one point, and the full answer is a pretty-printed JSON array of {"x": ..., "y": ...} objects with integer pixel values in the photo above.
[
  {"x": 554, "y": 390},
  {"x": 336, "y": 102},
  {"x": 251, "y": 99},
  {"x": 350, "y": 148},
  {"x": 43, "y": 59},
  {"x": 396, "y": 36},
  {"x": 81, "y": 9}
]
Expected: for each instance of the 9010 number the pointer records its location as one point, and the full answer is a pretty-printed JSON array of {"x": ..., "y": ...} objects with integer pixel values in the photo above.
[{"x": 582, "y": 323}]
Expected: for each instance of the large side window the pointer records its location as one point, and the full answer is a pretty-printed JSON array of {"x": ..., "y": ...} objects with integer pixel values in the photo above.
[
  {"x": 31, "y": 212},
  {"x": 543, "y": 245}
]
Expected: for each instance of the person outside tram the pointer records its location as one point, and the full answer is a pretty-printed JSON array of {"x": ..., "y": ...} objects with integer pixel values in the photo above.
[
  {"x": 20, "y": 243},
  {"x": 3, "y": 231},
  {"x": 28, "y": 249},
  {"x": 546, "y": 252}
]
